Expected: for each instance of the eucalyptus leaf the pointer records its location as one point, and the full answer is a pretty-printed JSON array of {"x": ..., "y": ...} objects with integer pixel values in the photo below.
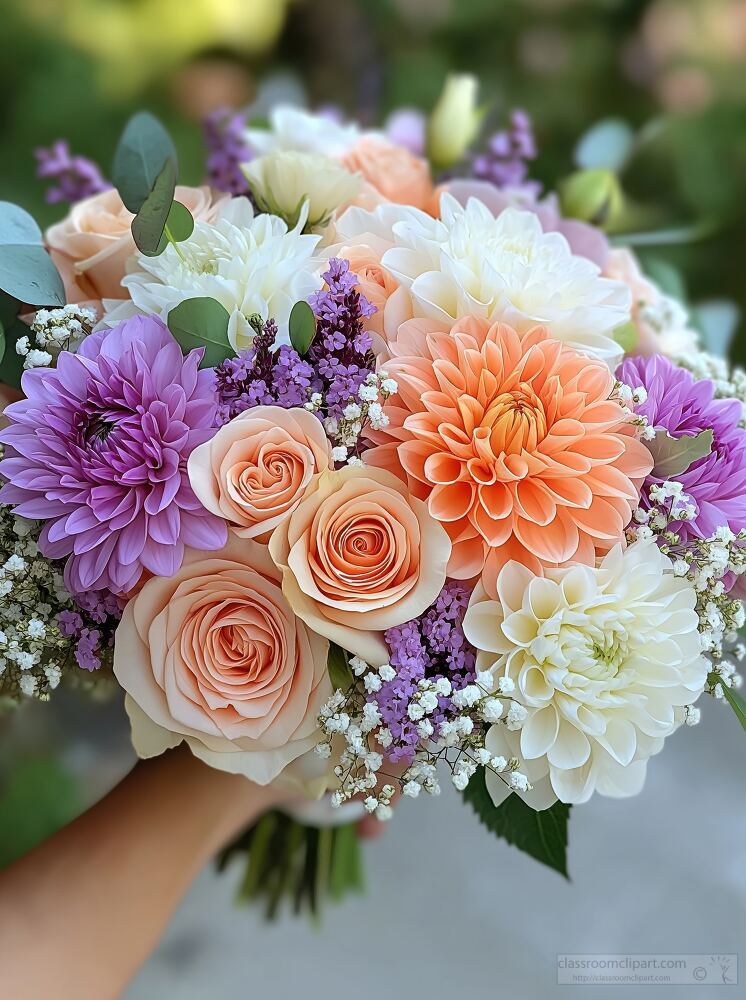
[
  {"x": 673, "y": 456},
  {"x": 542, "y": 834},
  {"x": 142, "y": 152},
  {"x": 717, "y": 321},
  {"x": 667, "y": 277},
  {"x": 149, "y": 224},
  {"x": 180, "y": 222},
  {"x": 339, "y": 668},
  {"x": 28, "y": 274},
  {"x": 607, "y": 144},
  {"x": 179, "y": 225},
  {"x": 17, "y": 226},
  {"x": 202, "y": 323},
  {"x": 736, "y": 702},
  {"x": 302, "y": 326}
]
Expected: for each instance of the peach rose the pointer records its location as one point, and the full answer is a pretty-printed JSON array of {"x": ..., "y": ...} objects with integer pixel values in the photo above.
[
  {"x": 92, "y": 244},
  {"x": 215, "y": 656},
  {"x": 395, "y": 173},
  {"x": 258, "y": 467},
  {"x": 358, "y": 556}
]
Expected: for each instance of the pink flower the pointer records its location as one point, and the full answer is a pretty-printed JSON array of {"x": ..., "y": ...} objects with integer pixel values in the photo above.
[
  {"x": 257, "y": 468},
  {"x": 215, "y": 656},
  {"x": 360, "y": 555}
]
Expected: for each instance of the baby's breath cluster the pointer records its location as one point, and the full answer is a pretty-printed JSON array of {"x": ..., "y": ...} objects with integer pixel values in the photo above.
[
  {"x": 36, "y": 648},
  {"x": 53, "y": 331},
  {"x": 363, "y": 411},
  {"x": 354, "y": 731}
]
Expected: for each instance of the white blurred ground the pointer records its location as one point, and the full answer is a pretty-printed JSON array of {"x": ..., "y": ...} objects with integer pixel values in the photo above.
[{"x": 452, "y": 912}]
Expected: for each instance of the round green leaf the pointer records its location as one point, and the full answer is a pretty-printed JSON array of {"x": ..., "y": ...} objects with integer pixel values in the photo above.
[
  {"x": 180, "y": 222},
  {"x": 142, "y": 152},
  {"x": 28, "y": 274},
  {"x": 149, "y": 224},
  {"x": 17, "y": 227},
  {"x": 202, "y": 322},
  {"x": 179, "y": 226},
  {"x": 302, "y": 326},
  {"x": 606, "y": 144}
]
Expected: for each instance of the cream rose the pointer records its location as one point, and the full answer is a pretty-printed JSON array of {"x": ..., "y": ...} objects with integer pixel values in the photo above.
[
  {"x": 359, "y": 555},
  {"x": 258, "y": 467},
  {"x": 92, "y": 244},
  {"x": 215, "y": 656}
]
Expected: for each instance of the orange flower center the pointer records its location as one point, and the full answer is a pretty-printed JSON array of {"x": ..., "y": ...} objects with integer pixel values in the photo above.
[{"x": 513, "y": 422}]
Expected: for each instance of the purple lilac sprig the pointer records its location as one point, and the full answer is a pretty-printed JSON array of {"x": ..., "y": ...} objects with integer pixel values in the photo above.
[
  {"x": 429, "y": 647},
  {"x": 74, "y": 177},
  {"x": 263, "y": 375},
  {"x": 505, "y": 161},
  {"x": 227, "y": 149},
  {"x": 341, "y": 352},
  {"x": 91, "y": 626},
  {"x": 339, "y": 360}
]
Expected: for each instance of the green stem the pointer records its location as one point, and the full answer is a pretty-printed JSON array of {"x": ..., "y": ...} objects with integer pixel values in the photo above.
[{"x": 174, "y": 244}]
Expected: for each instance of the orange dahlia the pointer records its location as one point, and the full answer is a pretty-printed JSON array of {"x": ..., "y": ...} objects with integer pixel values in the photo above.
[{"x": 518, "y": 443}]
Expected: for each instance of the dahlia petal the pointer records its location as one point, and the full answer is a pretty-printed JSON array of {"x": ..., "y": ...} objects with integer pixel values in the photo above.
[{"x": 571, "y": 748}]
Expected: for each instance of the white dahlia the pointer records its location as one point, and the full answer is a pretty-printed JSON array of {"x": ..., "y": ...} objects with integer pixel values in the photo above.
[
  {"x": 294, "y": 128},
  {"x": 285, "y": 181},
  {"x": 604, "y": 660},
  {"x": 249, "y": 263},
  {"x": 471, "y": 263}
]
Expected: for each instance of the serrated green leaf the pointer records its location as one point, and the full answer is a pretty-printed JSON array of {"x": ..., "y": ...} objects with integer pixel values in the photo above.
[
  {"x": 340, "y": 673},
  {"x": 673, "y": 456},
  {"x": 202, "y": 322},
  {"x": 736, "y": 702},
  {"x": 542, "y": 834},
  {"x": 141, "y": 154},
  {"x": 148, "y": 226},
  {"x": 302, "y": 326}
]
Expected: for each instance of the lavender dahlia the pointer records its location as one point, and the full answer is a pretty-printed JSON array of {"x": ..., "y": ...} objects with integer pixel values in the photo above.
[
  {"x": 98, "y": 451},
  {"x": 682, "y": 405}
]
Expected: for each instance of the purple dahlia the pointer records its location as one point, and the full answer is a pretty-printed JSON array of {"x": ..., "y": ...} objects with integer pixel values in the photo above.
[
  {"x": 98, "y": 450},
  {"x": 682, "y": 405}
]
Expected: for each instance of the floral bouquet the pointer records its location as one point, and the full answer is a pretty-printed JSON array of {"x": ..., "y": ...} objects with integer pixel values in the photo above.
[{"x": 352, "y": 480}]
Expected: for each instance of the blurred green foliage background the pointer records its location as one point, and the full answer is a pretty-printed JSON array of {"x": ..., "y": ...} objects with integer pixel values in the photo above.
[
  {"x": 671, "y": 68},
  {"x": 674, "y": 70}
]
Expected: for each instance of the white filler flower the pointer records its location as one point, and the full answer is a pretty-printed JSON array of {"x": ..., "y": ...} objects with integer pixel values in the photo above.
[
  {"x": 249, "y": 263},
  {"x": 604, "y": 660},
  {"x": 506, "y": 268}
]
